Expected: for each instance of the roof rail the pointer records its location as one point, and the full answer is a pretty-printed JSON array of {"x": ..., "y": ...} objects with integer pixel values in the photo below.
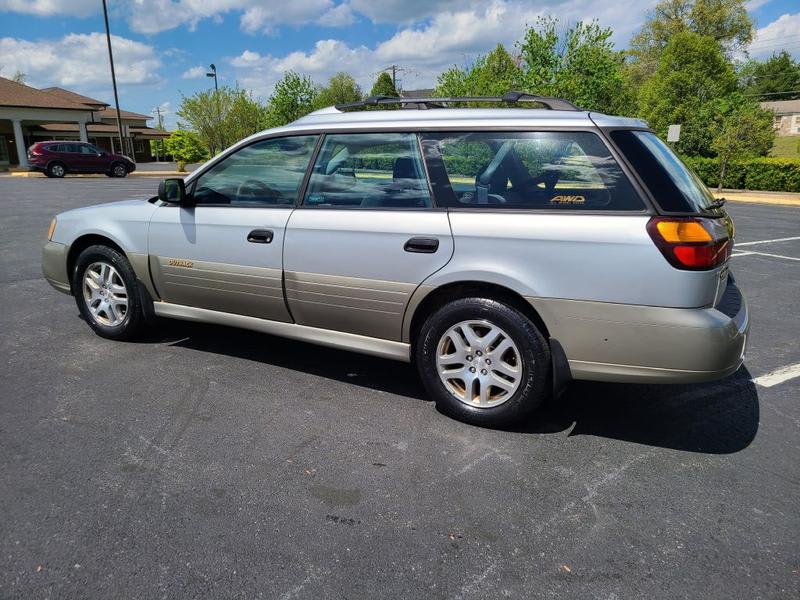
[{"x": 509, "y": 97}]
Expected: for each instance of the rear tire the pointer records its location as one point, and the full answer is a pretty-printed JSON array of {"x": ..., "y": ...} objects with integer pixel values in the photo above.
[
  {"x": 56, "y": 169},
  {"x": 483, "y": 362},
  {"x": 119, "y": 170},
  {"x": 107, "y": 293}
]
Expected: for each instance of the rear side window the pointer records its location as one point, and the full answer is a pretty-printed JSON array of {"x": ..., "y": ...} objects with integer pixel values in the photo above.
[
  {"x": 674, "y": 186},
  {"x": 369, "y": 170},
  {"x": 553, "y": 170}
]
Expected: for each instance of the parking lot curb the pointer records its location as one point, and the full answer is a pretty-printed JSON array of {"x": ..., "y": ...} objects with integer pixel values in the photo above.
[{"x": 99, "y": 176}]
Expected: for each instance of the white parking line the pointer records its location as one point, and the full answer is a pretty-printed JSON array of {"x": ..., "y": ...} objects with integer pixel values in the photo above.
[
  {"x": 778, "y": 376},
  {"x": 749, "y": 252},
  {"x": 786, "y": 239}
]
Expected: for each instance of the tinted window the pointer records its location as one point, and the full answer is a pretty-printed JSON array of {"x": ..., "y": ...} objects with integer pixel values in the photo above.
[
  {"x": 56, "y": 148},
  {"x": 267, "y": 173},
  {"x": 369, "y": 170},
  {"x": 87, "y": 149},
  {"x": 527, "y": 170},
  {"x": 674, "y": 186}
]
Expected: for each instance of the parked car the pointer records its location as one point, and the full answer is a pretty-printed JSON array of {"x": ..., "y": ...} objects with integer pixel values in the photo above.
[
  {"x": 57, "y": 158},
  {"x": 503, "y": 251}
]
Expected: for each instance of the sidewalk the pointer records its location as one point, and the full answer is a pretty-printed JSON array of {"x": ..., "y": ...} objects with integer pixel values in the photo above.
[{"x": 758, "y": 197}]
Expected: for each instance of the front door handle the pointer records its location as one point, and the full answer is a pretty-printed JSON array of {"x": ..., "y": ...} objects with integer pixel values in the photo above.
[
  {"x": 422, "y": 245},
  {"x": 260, "y": 236}
]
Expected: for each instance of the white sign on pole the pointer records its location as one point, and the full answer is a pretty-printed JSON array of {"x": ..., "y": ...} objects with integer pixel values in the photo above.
[{"x": 673, "y": 133}]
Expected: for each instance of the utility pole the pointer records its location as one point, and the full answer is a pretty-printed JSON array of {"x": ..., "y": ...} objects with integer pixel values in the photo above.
[
  {"x": 160, "y": 144},
  {"x": 113, "y": 76}
]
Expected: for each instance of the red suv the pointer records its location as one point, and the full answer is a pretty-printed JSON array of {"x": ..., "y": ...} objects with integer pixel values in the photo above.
[{"x": 57, "y": 158}]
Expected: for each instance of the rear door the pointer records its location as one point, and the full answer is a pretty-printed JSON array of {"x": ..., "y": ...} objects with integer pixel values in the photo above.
[
  {"x": 366, "y": 235},
  {"x": 225, "y": 253}
]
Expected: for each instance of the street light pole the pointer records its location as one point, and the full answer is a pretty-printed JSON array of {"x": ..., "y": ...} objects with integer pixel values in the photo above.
[
  {"x": 213, "y": 73},
  {"x": 113, "y": 77}
]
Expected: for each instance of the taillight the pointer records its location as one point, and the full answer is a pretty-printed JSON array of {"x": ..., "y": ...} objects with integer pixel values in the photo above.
[{"x": 691, "y": 243}]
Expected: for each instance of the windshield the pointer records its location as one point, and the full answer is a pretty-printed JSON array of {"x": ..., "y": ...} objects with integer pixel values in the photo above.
[{"x": 675, "y": 187}]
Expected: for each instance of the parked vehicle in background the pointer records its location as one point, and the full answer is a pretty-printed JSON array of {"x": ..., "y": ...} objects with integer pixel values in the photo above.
[
  {"x": 58, "y": 158},
  {"x": 503, "y": 251}
]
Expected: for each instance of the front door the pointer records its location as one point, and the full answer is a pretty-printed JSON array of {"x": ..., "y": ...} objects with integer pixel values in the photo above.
[
  {"x": 225, "y": 252},
  {"x": 365, "y": 236}
]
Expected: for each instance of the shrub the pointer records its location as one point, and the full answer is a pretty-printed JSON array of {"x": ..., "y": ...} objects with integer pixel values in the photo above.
[{"x": 763, "y": 173}]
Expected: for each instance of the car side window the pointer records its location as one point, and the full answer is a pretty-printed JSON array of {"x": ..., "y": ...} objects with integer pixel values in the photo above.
[
  {"x": 368, "y": 170},
  {"x": 266, "y": 173},
  {"x": 555, "y": 170},
  {"x": 88, "y": 149}
]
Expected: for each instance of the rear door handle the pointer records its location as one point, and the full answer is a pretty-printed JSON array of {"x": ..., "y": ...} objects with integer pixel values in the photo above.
[
  {"x": 422, "y": 245},
  {"x": 260, "y": 236}
]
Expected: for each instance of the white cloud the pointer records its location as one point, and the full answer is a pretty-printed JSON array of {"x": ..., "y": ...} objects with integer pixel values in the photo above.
[
  {"x": 47, "y": 8},
  {"x": 782, "y": 34},
  {"x": 424, "y": 51},
  {"x": 194, "y": 73},
  {"x": 79, "y": 60},
  {"x": 338, "y": 16}
]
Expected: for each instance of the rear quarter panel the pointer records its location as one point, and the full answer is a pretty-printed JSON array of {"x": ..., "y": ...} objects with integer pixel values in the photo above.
[{"x": 603, "y": 258}]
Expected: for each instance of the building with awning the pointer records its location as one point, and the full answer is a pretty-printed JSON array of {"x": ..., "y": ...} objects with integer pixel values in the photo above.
[{"x": 29, "y": 115}]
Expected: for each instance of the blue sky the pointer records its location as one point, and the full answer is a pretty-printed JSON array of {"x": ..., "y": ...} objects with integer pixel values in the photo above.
[{"x": 163, "y": 47}]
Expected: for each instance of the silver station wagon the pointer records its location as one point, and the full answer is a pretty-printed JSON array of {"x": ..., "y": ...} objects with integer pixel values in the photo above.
[{"x": 504, "y": 251}]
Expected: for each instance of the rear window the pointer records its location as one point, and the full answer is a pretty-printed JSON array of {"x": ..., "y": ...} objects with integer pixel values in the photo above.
[
  {"x": 527, "y": 170},
  {"x": 674, "y": 186}
]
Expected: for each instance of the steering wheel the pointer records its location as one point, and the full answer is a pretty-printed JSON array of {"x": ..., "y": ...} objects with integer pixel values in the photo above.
[{"x": 253, "y": 188}]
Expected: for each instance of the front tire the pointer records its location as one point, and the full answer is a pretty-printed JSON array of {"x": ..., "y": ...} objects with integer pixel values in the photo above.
[
  {"x": 107, "y": 294},
  {"x": 483, "y": 362}
]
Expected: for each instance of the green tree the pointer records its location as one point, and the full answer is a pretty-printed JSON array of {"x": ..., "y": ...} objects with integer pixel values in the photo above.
[
  {"x": 383, "y": 86},
  {"x": 293, "y": 97},
  {"x": 744, "y": 130},
  {"x": 579, "y": 64},
  {"x": 186, "y": 147},
  {"x": 341, "y": 89},
  {"x": 726, "y": 21},
  {"x": 692, "y": 74},
  {"x": 491, "y": 75},
  {"x": 222, "y": 118},
  {"x": 773, "y": 79}
]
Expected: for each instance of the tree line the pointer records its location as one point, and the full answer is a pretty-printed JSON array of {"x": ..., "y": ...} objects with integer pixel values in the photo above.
[{"x": 683, "y": 66}]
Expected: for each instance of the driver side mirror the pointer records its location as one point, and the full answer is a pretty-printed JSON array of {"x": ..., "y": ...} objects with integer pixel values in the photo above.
[{"x": 173, "y": 191}]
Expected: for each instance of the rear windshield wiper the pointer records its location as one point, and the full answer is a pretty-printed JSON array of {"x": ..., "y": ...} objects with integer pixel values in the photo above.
[{"x": 719, "y": 203}]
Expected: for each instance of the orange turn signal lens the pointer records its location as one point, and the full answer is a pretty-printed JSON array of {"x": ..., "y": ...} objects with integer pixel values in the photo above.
[
  {"x": 677, "y": 232},
  {"x": 51, "y": 230}
]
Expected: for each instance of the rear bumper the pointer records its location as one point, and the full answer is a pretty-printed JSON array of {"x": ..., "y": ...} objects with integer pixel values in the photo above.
[
  {"x": 646, "y": 344},
  {"x": 54, "y": 266}
]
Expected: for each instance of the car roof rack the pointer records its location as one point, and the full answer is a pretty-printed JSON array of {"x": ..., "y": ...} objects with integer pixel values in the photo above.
[{"x": 509, "y": 97}]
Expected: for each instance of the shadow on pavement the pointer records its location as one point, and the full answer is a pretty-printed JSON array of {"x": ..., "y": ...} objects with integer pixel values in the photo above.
[{"x": 717, "y": 418}]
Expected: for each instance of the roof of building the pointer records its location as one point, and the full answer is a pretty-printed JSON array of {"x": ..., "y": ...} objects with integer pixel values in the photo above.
[
  {"x": 101, "y": 128},
  {"x": 783, "y": 107},
  {"x": 24, "y": 96},
  {"x": 73, "y": 97},
  {"x": 111, "y": 113}
]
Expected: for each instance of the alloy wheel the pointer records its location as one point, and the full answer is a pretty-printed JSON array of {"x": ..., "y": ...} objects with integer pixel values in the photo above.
[
  {"x": 105, "y": 294},
  {"x": 479, "y": 363}
]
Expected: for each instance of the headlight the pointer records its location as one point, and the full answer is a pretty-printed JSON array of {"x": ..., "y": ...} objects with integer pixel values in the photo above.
[{"x": 51, "y": 230}]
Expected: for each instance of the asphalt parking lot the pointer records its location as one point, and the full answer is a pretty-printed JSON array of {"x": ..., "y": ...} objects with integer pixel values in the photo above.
[{"x": 207, "y": 462}]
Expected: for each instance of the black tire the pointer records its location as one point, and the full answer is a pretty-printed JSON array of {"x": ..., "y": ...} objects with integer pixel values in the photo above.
[
  {"x": 534, "y": 351},
  {"x": 118, "y": 169},
  {"x": 133, "y": 321},
  {"x": 56, "y": 169}
]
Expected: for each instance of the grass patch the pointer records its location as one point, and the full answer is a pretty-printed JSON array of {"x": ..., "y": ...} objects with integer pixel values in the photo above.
[{"x": 786, "y": 147}]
